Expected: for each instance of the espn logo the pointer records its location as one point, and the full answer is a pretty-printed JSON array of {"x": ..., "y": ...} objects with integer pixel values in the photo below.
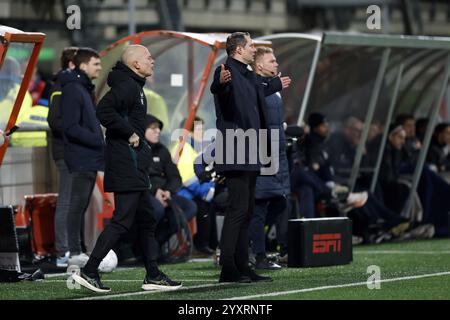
[{"x": 326, "y": 243}]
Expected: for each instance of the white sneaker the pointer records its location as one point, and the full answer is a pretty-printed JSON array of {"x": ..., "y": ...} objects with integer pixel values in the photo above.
[
  {"x": 79, "y": 260},
  {"x": 62, "y": 262},
  {"x": 357, "y": 200}
]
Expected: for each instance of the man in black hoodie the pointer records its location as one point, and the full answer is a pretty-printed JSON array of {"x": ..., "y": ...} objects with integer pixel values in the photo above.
[
  {"x": 83, "y": 143},
  {"x": 122, "y": 112}
]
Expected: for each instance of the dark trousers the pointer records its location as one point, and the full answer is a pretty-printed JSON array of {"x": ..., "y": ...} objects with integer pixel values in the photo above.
[
  {"x": 241, "y": 203},
  {"x": 82, "y": 186},
  {"x": 130, "y": 206},
  {"x": 273, "y": 208},
  {"x": 309, "y": 188},
  {"x": 62, "y": 207}
]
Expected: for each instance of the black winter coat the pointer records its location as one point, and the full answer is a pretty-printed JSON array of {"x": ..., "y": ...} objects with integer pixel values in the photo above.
[
  {"x": 82, "y": 134},
  {"x": 437, "y": 156},
  {"x": 122, "y": 112},
  {"x": 163, "y": 172},
  {"x": 240, "y": 104},
  {"x": 316, "y": 156},
  {"x": 54, "y": 117}
]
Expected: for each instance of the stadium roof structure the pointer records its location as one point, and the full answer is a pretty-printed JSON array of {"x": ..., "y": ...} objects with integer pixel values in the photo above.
[
  {"x": 19, "y": 52},
  {"x": 369, "y": 76}
]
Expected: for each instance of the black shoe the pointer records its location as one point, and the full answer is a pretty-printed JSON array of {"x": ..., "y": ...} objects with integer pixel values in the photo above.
[
  {"x": 91, "y": 282},
  {"x": 265, "y": 264},
  {"x": 232, "y": 275},
  {"x": 255, "y": 277},
  {"x": 161, "y": 282},
  {"x": 203, "y": 251}
]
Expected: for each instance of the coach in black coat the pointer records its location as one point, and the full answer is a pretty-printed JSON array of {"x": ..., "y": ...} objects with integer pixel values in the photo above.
[
  {"x": 122, "y": 112},
  {"x": 240, "y": 104}
]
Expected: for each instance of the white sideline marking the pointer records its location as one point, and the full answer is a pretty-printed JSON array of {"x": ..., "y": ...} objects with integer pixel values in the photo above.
[
  {"x": 55, "y": 275},
  {"x": 399, "y": 252},
  {"x": 65, "y": 274},
  {"x": 281, "y": 293},
  {"x": 133, "y": 280},
  {"x": 104, "y": 297}
]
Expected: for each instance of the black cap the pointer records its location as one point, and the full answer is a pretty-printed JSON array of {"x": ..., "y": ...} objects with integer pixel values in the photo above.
[
  {"x": 149, "y": 119},
  {"x": 315, "y": 119}
]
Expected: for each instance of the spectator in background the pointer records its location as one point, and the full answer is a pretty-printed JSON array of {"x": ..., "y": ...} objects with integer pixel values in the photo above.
[
  {"x": 342, "y": 146},
  {"x": 54, "y": 120},
  {"x": 83, "y": 142},
  {"x": 421, "y": 128},
  {"x": 9, "y": 88},
  {"x": 38, "y": 88},
  {"x": 438, "y": 153},
  {"x": 433, "y": 190},
  {"x": 202, "y": 192},
  {"x": 375, "y": 130},
  {"x": 394, "y": 192},
  {"x": 412, "y": 145},
  {"x": 165, "y": 178},
  {"x": 3, "y": 138}
]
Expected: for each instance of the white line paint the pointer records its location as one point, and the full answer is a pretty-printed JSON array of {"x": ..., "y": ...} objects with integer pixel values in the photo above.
[
  {"x": 282, "y": 293},
  {"x": 136, "y": 280},
  {"x": 64, "y": 274},
  {"x": 400, "y": 252},
  {"x": 55, "y": 275},
  {"x": 121, "y": 295}
]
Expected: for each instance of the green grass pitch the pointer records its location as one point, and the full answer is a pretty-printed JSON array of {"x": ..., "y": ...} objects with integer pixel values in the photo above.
[{"x": 410, "y": 270}]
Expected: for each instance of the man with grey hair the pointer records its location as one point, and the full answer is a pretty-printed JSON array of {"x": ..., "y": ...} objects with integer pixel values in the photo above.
[{"x": 122, "y": 112}]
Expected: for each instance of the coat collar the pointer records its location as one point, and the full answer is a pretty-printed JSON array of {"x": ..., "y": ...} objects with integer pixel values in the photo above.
[{"x": 240, "y": 66}]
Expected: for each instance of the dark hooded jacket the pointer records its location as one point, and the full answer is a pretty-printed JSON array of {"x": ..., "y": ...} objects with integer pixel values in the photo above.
[
  {"x": 436, "y": 156},
  {"x": 240, "y": 104},
  {"x": 82, "y": 134},
  {"x": 316, "y": 156},
  {"x": 54, "y": 117},
  {"x": 269, "y": 186},
  {"x": 122, "y": 112},
  {"x": 163, "y": 172}
]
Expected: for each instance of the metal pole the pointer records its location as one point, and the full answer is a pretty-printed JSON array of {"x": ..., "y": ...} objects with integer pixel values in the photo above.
[
  {"x": 385, "y": 19},
  {"x": 369, "y": 116},
  {"x": 312, "y": 72},
  {"x": 131, "y": 17},
  {"x": 427, "y": 139},
  {"x": 386, "y": 128}
]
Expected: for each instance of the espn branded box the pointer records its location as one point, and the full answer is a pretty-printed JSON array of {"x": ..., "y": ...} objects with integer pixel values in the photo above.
[{"x": 319, "y": 242}]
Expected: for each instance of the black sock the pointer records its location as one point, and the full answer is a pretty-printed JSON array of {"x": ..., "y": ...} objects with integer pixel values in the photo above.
[
  {"x": 152, "y": 269},
  {"x": 260, "y": 257},
  {"x": 91, "y": 267}
]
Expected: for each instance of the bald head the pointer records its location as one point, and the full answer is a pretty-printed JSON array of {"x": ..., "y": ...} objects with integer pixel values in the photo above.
[{"x": 138, "y": 58}]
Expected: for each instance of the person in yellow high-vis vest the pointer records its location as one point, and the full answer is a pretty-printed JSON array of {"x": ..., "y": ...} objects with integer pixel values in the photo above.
[{"x": 35, "y": 116}]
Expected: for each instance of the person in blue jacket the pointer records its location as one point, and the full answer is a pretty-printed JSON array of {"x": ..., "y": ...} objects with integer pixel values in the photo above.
[
  {"x": 271, "y": 190},
  {"x": 83, "y": 142}
]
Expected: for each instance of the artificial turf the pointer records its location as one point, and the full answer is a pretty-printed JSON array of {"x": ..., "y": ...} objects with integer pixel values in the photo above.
[{"x": 395, "y": 260}]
